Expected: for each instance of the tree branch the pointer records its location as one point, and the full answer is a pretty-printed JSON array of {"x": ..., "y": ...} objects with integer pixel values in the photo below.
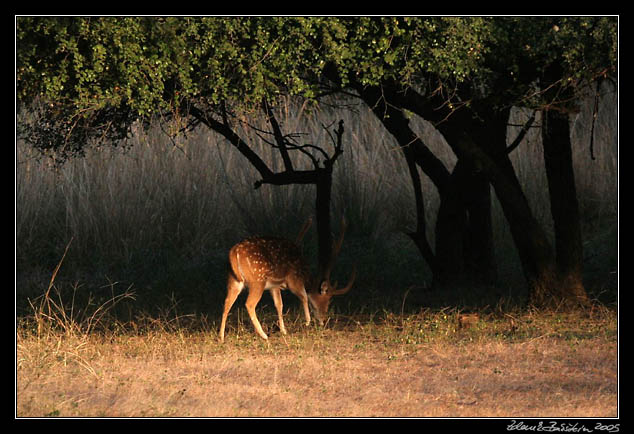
[
  {"x": 277, "y": 133},
  {"x": 224, "y": 129},
  {"x": 330, "y": 161},
  {"x": 290, "y": 175},
  {"x": 521, "y": 134}
]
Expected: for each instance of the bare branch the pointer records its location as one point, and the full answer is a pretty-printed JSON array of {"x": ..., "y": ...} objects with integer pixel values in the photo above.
[
  {"x": 303, "y": 150},
  {"x": 224, "y": 129},
  {"x": 337, "y": 144},
  {"x": 521, "y": 134},
  {"x": 277, "y": 133}
]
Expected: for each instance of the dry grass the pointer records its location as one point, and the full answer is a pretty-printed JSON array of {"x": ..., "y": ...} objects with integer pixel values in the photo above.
[{"x": 418, "y": 365}]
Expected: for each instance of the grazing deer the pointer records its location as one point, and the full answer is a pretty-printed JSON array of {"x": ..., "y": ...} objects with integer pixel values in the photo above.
[{"x": 276, "y": 263}]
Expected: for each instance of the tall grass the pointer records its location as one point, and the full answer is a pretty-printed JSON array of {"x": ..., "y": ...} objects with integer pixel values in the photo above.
[{"x": 161, "y": 214}]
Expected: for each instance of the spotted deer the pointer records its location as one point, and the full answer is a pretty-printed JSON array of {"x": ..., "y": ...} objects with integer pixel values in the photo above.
[{"x": 274, "y": 263}]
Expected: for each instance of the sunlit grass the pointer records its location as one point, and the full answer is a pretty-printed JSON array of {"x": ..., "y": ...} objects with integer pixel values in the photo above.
[{"x": 517, "y": 364}]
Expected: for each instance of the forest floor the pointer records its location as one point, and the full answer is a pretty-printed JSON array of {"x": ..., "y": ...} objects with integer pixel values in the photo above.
[{"x": 425, "y": 364}]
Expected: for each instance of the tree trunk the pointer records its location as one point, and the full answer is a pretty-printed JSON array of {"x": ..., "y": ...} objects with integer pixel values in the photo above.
[
  {"x": 563, "y": 205},
  {"x": 479, "y": 248},
  {"x": 419, "y": 236},
  {"x": 322, "y": 211},
  {"x": 451, "y": 227},
  {"x": 483, "y": 144},
  {"x": 464, "y": 239},
  {"x": 536, "y": 256}
]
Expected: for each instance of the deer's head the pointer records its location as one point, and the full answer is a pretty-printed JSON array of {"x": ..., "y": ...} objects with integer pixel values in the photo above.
[{"x": 322, "y": 289}]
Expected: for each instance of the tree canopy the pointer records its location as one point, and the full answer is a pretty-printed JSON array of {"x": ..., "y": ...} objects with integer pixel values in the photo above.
[
  {"x": 93, "y": 76},
  {"x": 153, "y": 63}
]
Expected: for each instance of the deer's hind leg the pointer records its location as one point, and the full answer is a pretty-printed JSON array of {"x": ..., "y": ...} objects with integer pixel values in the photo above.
[{"x": 256, "y": 290}]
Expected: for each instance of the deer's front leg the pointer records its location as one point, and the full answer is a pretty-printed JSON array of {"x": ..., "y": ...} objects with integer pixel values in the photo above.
[
  {"x": 304, "y": 299},
  {"x": 277, "y": 299},
  {"x": 298, "y": 288}
]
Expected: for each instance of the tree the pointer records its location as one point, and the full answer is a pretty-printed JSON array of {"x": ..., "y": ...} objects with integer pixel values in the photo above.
[
  {"x": 387, "y": 59},
  {"x": 91, "y": 79},
  {"x": 553, "y": 60},
  {"x": 467, "y": 92}
]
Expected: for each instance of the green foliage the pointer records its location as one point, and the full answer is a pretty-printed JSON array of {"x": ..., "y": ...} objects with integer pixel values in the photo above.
[
  {"x": 92, "y": 77},
  {"x": 407, "y": 50},
  {"x": 531, "y": 55},
  {"x": 583, "y": 46},
  {"x": 152, "y": 64}
]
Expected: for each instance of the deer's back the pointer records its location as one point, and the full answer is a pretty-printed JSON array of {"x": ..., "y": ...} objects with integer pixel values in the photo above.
[{"x": 266, "y": 259}]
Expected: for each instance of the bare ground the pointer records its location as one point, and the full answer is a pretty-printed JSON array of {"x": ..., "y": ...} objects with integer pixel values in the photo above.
[{"x": 316, "y": 373}]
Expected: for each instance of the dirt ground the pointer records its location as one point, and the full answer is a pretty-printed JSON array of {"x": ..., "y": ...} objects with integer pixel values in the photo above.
[{"x": 325, "y": 373}]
